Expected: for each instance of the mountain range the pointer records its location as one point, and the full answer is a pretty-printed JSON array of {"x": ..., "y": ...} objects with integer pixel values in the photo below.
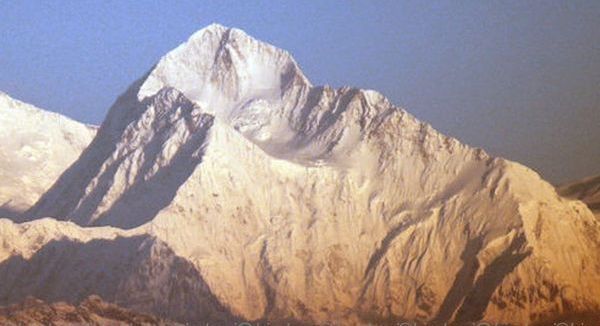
[{"x": 224, "y": 186}]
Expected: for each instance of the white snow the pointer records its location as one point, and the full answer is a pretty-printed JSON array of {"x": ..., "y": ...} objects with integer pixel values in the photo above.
[{"x": 37, "y": 146}]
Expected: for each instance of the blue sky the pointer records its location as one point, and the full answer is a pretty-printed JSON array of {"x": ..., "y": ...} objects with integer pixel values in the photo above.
[{"x": 518, "y": 78}]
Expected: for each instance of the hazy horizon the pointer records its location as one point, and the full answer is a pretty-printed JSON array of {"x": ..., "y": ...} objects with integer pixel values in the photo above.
[{"x": 521, "y": 80}]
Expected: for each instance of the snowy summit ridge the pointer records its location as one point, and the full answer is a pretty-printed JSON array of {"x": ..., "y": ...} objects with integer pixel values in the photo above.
[
  {"x": 273, "y": 199},
  {"x": 224, "y": 66}
]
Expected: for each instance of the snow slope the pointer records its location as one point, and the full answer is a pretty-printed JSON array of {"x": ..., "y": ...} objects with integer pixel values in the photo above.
[
  {"x": 36, "y": 147},
  {"x": 312, "y": 204},
  {"x": 586, "y": 190}
]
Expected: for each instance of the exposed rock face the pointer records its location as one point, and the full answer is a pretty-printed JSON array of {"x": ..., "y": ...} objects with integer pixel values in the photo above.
[
  {"x": 586, "y": 190},
  {"x": 311, "y": 204},
  {"x": 92, "y": 311},
  {"x": 36, "y": 147}
]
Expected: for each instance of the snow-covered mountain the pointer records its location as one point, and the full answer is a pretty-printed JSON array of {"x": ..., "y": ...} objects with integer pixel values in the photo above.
[
  {"x": 586, "y": 190},
  {"x": 279, "y": 200},
  {"x": 36, "y": 147}
]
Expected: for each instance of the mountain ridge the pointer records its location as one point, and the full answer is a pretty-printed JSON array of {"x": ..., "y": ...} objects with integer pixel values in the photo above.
[
  {"x": 92, "y": 311},
  {"x": 37, "y": 146},
  {"x": 586, "y": 190}
]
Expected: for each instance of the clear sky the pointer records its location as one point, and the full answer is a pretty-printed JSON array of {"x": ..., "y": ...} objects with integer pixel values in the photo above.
[{"x": 518, "y": 78}]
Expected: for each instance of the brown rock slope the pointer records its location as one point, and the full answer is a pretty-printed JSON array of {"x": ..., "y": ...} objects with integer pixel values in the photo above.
[{"x": 92, "y": 311}]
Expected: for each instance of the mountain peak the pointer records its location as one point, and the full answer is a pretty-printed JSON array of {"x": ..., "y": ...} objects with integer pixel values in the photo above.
[
  {"x": 212, "y": 27},
  {"x": 215, "y": 29},
  {"x": 313, "y": 203},
  {"x": 223, "y": 68}
]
